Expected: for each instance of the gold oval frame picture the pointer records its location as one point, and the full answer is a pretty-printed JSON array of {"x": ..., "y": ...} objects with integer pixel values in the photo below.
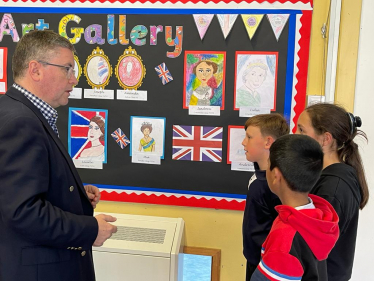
[
  {"x": 98, "y": 69},
  {"x": 77, "y": 68},
  {"x": 130, "y": 70}
]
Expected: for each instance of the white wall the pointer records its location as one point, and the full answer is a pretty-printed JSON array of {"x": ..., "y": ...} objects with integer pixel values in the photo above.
[{"x": 364, "y": 107}]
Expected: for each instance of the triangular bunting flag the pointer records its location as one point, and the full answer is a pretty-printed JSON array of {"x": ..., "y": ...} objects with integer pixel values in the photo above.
[
  {"x": 226, "y": 22},
  {"x": 251, "y": 23},
  {"x": 277, "y": 22},
  {"x": 202, "y": 23}
]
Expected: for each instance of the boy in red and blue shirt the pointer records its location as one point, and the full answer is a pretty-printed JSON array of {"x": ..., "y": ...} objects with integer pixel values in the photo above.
[{"x": 306, "y": 228}]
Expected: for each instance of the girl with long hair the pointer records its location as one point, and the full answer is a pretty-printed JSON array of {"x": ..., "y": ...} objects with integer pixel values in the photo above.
[{"x": 342, "y": 181}]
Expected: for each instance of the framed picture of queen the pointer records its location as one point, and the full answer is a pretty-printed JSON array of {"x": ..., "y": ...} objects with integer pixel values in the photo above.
[
  {"x": 256, "y": 79},
  {"x": 147, "y": 135}
]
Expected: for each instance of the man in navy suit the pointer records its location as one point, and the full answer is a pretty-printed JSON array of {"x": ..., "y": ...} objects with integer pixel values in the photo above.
[{"x": 47, "y": 227}]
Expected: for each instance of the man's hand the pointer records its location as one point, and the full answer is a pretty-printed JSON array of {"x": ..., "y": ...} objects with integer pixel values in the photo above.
[
  {"x": 105, "y": 229},
  {"x": 93, "y": 193}
]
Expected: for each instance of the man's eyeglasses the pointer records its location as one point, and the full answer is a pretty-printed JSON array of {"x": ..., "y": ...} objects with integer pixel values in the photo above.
[{"x": 69, "y": 69}]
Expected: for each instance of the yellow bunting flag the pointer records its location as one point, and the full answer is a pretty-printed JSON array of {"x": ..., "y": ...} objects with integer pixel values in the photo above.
[{"x": 251, "y": 23}]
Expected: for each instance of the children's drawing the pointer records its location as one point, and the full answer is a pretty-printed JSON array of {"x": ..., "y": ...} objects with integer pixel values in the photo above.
[
  {"x": 1, "y": 63},
  {"x": 87, "y": 134},
  {"x": 8, "y": 27},
  {"x": 202, "y": 22},
  {"x": 98, "y": 69},
  {"x": 251, "y": 23},
  {"x": 130, "y": 70},
  {"x": 256, "y": 79},
  {"x": 204, "y": 75},
  {"x": 3, "y": 67},
  {"x": 235, "y": 150},
  {"x": 226, "y": 22},
  {"x": 147, "y": 143},
  {"x": 197, "y": 143},
  {"x": 147, "y": 135},
  {"x": 164, "y": 73},
  {"x": 277, "y": 22},
  {"x": 77, "y": 68},
  {"x": 120, "y": 138}
]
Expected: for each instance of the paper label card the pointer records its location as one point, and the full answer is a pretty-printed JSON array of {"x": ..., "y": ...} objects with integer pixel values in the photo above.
[
  {"x": 132, "y": 95},
  {"x": 76, "y": 93},
  {"x": 146, "y": 159},
  {"x": 204, "y": 110},
  {"x": 243, "y": 166},
  {"x": 248, "y": 111},
  {"x": 88, "y": 164},
  {"x": 99, "y": 94}
]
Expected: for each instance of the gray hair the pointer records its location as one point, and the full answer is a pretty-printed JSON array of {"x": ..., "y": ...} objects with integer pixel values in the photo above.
[{"x": 36, "y": 45}]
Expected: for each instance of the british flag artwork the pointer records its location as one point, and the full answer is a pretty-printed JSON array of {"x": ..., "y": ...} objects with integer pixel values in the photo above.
[
  {"x": 197, "y": 143},
  {"x": 120, "y": 138},
  {"x": 164, "y": 73},
  {"x": 79, "y": 123}
]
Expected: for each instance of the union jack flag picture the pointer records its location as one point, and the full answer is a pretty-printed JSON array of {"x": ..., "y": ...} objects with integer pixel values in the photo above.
[
  {"x": 164, "y": 73},
  {"x": 87, "y": 134},
  {"x": 197, "y": 143},
  {"x": 120, "y": 138}
]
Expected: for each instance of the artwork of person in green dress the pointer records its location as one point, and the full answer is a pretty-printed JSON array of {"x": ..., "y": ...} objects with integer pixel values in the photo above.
[
  {"x": 147, "y": 143},
  {"x": 253, "y": 77}
]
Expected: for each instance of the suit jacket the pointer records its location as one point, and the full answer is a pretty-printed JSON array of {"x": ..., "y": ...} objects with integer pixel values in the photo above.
[{"x": 46, "y": 223}]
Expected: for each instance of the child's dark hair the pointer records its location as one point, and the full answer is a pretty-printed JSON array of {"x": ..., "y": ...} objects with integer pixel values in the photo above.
[
  {"x": 326, "y": 117},
  {"x": 269, "y": 124},
  {"x": 300, "y": 160}
]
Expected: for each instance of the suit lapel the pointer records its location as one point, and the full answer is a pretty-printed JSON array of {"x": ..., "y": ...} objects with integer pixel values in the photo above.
[{"x": 19, "y": 96}]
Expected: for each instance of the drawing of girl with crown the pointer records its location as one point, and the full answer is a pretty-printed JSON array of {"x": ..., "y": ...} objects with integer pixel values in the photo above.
[{"x": 147, "y": 143}]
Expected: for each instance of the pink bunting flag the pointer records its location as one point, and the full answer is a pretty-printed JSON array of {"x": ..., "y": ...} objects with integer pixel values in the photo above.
[
  {"x": 202, "y": 23},
  {"x": 226, "y": 22}
]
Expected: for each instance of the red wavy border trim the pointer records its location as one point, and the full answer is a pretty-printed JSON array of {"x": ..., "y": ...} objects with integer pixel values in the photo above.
[
  {"x": 301, "y": 76},
  {"x": 170, "y": 1},
  {"x": 173, "y": 200}
]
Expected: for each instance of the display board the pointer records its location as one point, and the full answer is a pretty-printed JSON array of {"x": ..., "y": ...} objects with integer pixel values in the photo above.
[{"x": 142, "y": 75}]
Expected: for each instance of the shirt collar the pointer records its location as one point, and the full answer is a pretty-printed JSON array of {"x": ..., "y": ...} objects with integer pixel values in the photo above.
[
  {"x": 310, "y": 205},
  {"x": 49, "y": 113}
]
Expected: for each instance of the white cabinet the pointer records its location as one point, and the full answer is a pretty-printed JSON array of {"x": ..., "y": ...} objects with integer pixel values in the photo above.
[{"x": 144, "y": 248}]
